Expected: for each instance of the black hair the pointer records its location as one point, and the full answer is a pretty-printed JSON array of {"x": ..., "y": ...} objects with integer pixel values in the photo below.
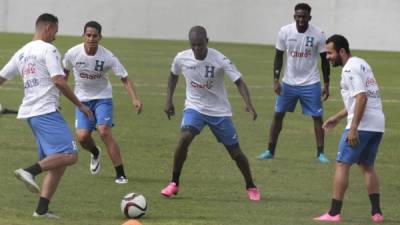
[
  {"x": 339, "y": 42},
  {"x": 94, "y": 25},
  {"x": 199, "y": 30},
  {"x": 46, "y": 18},
  {"x": 303, "y": 6}
]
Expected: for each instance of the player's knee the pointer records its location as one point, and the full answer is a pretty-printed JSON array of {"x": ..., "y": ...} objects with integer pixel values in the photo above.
[
  {"x": 186, "y": 137},
  {"x": 83, "y": 137},
  {"x": 71, "y": 158},
  {"x": 104, "y": 133},
  {"x": 279, "y": 116}
]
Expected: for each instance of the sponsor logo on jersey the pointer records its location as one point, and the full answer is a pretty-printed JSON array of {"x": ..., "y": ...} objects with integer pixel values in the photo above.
[
  {"x": 370, "y": 82},
  {"x": 90, "y": 76},
  {"x": 80, "y": 63},
  {"x": 305, "y": 54},
  {"x": 292, "y": 39},
  {"x": 207, "y": 85}
]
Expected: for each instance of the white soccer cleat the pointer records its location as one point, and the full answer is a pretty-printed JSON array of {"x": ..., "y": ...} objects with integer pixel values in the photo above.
[
  {"x": 121, "y": 180},
  {"x": 95, "y": 163},
  {"x": 48, "y": 215},
  {"x": 28, "y": 180}
]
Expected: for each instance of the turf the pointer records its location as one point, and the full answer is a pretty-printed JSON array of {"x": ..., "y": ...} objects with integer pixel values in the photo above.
[{"x": 294, "y": 187}]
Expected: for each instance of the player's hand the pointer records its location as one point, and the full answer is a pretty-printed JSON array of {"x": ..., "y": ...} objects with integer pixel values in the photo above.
[
  {"x": 325, "y": 93},
  {"x": 252, "y": 111},
  {"x": 169, "y": 109},
  {"x": 329, "y": 124},
  {"x": 83, "y": 108},
  {"x": 138, "y": 105},
  {"x": 352, "y": 137},
  {"x": 277, "y": 87}
]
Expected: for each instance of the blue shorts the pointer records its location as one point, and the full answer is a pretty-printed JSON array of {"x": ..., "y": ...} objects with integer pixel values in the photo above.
[
  {"x": 364, "y": 152},
  {"x": 309, "y": 96},
  {"x": 222, "y": 127},
  {"x": 52, "y": 135},
  {"x": 103, "y": 114}
]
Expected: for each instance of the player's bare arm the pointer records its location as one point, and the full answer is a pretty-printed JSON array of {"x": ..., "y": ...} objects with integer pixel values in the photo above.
[
  {"x": 332, "y": 121},
  {"x": 278, "y": 62},
  {"x": 326, "y": 73},
  {"x": 244, "y": 92},
  {"x": 169, "y": 108},
  {"x": 62, "y": 85},
  {"x": 359, "y": 108},
  {"x": 132, "y": 92},
  {"x": 2, "y": 80},
  {"x": 66, "y": 74}
]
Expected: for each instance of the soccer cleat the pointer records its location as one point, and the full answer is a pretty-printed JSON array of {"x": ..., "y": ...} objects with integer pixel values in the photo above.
[
  {"x": 377, "y": 218},
  {"x": 328, "y": 218},
  {"x": 28, "y": 180},
  {"x": 253, "y": 194},
  {"x": 265, "y": 155},
  {"x": 171, "y": 189},
  {"x": 48, "y": 215},
  {"x": 322, "y": 158},
  {"x": 95, "y": 163},
  {"x": 121, "y": 180}
]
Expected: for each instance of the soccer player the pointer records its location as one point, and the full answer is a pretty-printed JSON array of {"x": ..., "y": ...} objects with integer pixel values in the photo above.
[
  {"x": 39, "y": 64},
  {"x": 302, "y": 42},
  {"x": 365, "y": 126},
  {"x": 91, "y": 63},
  {"x": 206, "y": 104}
]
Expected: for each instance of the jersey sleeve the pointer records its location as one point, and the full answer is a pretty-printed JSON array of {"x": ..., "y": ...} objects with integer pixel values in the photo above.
[
  {"x": 117, "y": 67},
  {"x": 53, "y": 62},
  {"x": 229, "y": 68},
  {"x": 67, "y": 61},
  {"x": 281, "y": 41},
  {"x": 322, "y": 39},
  {"x": 175, "y": 66},
  {"x": 355, "y": 81},
  {"x": 10, "y": 69}
]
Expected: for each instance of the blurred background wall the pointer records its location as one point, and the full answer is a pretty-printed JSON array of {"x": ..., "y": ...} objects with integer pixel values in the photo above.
[{"x": 368, "y": 24}]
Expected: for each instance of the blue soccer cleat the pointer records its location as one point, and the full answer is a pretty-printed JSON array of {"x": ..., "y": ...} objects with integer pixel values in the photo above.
[
  {"x": 322, "y": 158},
  {"x": 265, "y": 155}
]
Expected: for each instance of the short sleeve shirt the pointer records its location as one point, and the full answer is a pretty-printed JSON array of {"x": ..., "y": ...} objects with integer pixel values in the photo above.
[
  {"x": 37, "y": 62},
  {"x": 205, "y": 91},
  {"x": 302, "y": 52},
  {"x": 91, "y": 72}
]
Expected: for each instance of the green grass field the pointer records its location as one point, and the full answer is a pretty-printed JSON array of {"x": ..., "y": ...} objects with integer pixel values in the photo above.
[{"x": 295, "y": 188}]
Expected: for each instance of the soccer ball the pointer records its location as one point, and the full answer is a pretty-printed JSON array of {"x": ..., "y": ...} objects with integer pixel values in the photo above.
[{"x": 134, "y": 205}]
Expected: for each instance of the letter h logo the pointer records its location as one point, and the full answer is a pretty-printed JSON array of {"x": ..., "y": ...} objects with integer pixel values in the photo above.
[
  {"x": 309, "y": 41},
  {"x": 210, "y": 71},
  {"x": 99, "y": 66}
]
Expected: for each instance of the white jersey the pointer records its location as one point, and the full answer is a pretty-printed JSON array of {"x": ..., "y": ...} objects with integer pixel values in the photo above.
[
  {"x": 357, "y": 77},
  {"x": 205, "y": 90},
  {"x": 302, "y": 52},
  {"x": 90, "y": 72},
  {"x": 37, "y": 62}
]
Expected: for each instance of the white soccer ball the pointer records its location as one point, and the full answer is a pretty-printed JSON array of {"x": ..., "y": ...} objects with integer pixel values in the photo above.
[{"x": 134, "y": 205}]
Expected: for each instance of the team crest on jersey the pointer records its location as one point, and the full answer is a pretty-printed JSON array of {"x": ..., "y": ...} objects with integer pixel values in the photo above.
[
  {"x": 99, "y": 66},
  {"x": 309, "y": 41},
  {"x": 209, "y": 71}
]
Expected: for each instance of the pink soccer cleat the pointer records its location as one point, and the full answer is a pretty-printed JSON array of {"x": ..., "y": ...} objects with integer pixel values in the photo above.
[
  {"x": 328, "y": 218},
  {"x": 253, "y": 194},
  {"x": 377, "y": 218},
  {"x": 171, "y": 189}
]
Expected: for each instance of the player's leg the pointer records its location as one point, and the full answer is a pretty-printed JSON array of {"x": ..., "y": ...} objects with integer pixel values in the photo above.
[
  {"x": 49, "y": 187},
  {"x": 225, "y": 132},
  {"x": 84, "y": 128},
  {"x": 311, "y": 104},
  {"x": 366, "y": 164},
  {"x": 113, "y": 151},
  {"x": 285, "y": 102},
  {"x": 346, "y": 157},
  {"x": 192, "y": 124},
  {"x": 57, "y": 150}
]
